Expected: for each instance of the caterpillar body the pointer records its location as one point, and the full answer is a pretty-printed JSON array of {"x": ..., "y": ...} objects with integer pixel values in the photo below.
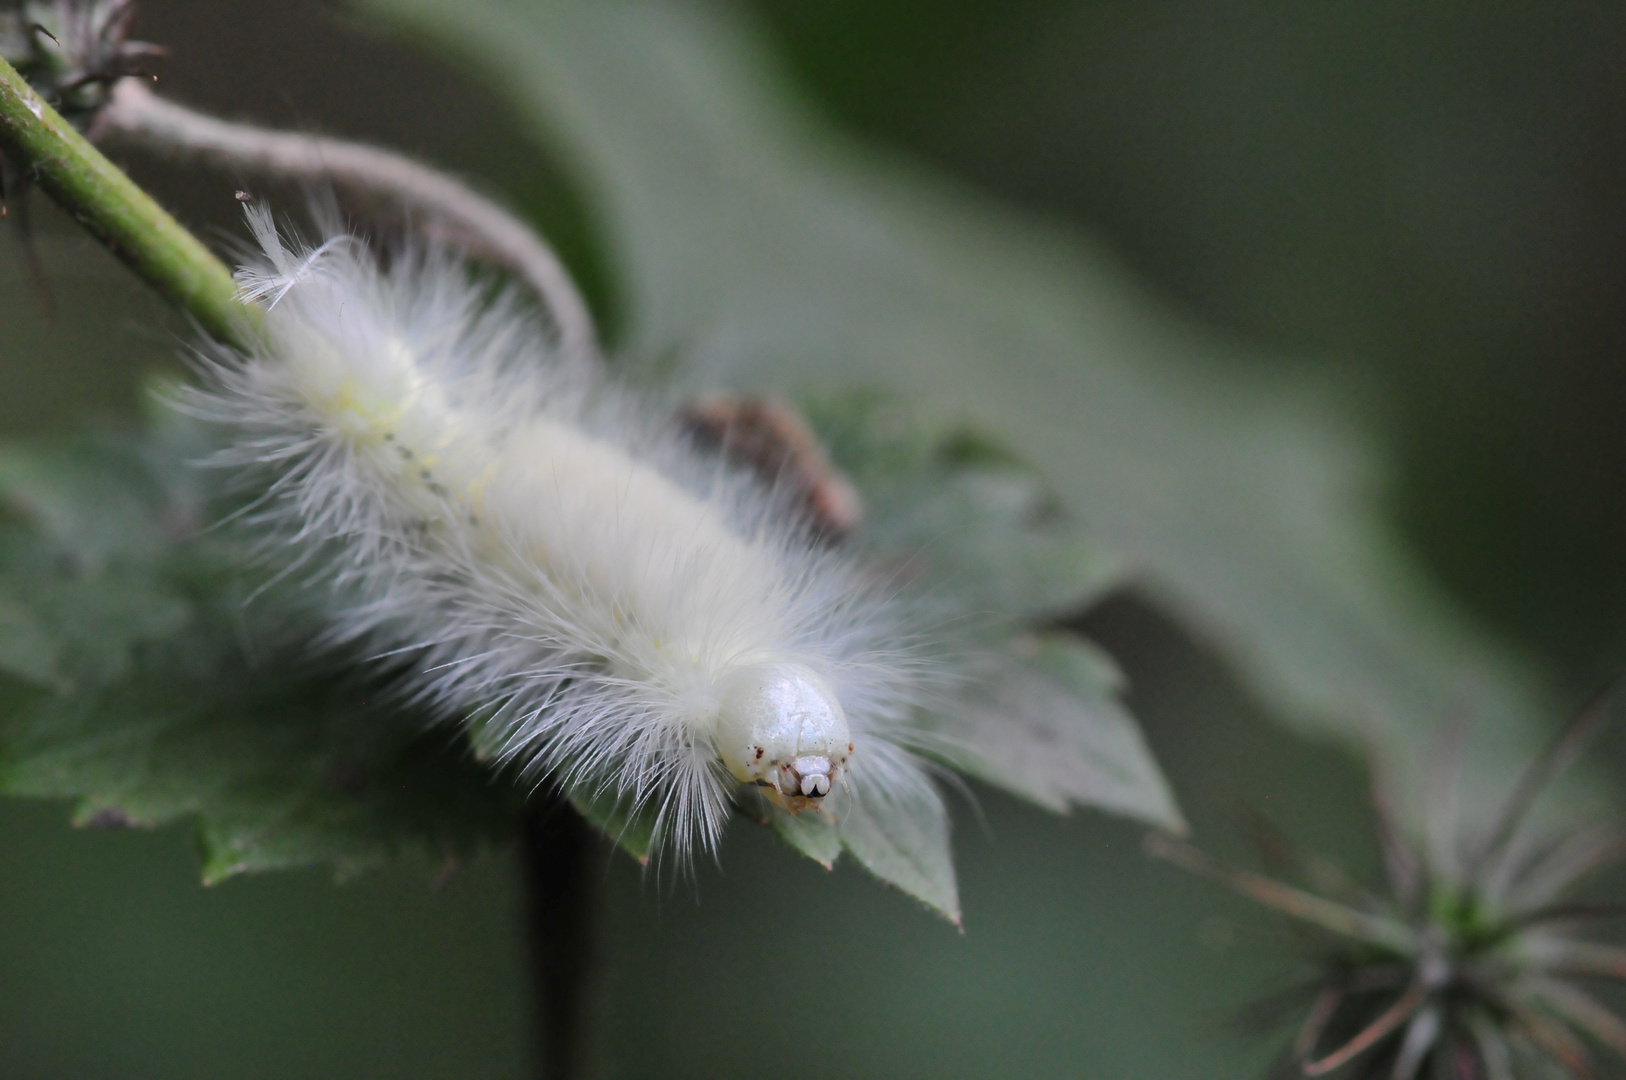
[{"x": 558, "y": 564}]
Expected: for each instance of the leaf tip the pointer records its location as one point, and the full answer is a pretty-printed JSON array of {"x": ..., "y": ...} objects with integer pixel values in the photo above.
[{"x": 215, "y": 875}]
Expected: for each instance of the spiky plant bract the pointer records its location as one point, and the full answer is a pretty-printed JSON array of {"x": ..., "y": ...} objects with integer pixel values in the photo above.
[
  {"x": 1470, "y": 963},
  {"x": 72, "y": 51}
]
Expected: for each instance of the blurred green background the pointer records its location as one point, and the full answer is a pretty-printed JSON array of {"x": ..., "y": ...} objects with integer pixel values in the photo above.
[{"x": 1428, "y": 203}]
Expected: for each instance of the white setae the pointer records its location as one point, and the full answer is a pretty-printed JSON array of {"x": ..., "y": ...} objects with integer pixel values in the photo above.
[{"x": 552, "y": 558}]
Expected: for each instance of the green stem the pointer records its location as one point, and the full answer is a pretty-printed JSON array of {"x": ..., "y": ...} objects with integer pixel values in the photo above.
[{"x": 118, "y": 213}]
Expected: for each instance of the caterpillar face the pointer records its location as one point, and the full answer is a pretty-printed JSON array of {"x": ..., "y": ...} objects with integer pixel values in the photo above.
[{"x": 781, "y": 727}]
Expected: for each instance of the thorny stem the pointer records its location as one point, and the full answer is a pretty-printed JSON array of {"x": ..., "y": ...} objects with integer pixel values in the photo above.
[
  {"x": 135, "y": 112},
  {"x": 563, "y": 865},
  {"x": 117, "y": 212}
]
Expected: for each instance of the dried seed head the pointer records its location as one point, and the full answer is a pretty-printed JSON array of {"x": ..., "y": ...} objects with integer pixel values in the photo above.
[
  {"x": 73, "y": 51},
  {"x": 1465, "y": 964}
]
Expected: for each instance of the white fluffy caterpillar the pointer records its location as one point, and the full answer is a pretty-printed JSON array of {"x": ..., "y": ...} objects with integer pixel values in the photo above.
[{"x": 558, "y": 563}]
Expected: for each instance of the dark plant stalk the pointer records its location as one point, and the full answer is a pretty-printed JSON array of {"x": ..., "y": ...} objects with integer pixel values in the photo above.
[{"x": 564, "y": 861}]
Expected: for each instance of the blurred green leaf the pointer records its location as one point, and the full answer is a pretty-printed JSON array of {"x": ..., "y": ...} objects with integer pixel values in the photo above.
[
  {"x": 814, "y": 835},
  {"x": 1043, "y": 721},
  {"x": 164, "y": 692},
  {"x": 765, "y": 251},
  {"x": 93, "y": 501},
  {"x": 898, "y": 828},
  {"x": 959, "y": 510},
  {"x": 168, "y": 682},
  {"x": 632, "y": 830},
  {"x": 986, "y": 549},
  {"x": 27, "y": 649},
  {"x": 990, "y": 546},
  {"x": 989, "y": 550}
]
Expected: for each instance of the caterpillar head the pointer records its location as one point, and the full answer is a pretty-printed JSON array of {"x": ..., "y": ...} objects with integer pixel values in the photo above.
[{"x": 781, "y": 727}]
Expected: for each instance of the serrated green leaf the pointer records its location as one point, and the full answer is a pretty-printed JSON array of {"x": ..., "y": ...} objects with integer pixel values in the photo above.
[
  {"x": 1037, "y": 713},
  {"x": 775, "y": 255},
  {"x": 633, "y": 831},
  {"x": 810, "y": 834},
  {"x": 962, "y": 511},
  {"x": 95, "y": 500},
  {"x": 103, "y": 619},
  {"x": 899, "y": 831},
  {"x": 1043, "y": 722},
  {"x": 814, "y": 835},
  {"x": 27, "y": 649},
  {"x": 180, "y": 700}
]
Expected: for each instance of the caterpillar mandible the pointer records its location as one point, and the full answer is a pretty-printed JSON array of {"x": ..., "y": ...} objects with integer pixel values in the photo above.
[{"x": 557, "y": 562}]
